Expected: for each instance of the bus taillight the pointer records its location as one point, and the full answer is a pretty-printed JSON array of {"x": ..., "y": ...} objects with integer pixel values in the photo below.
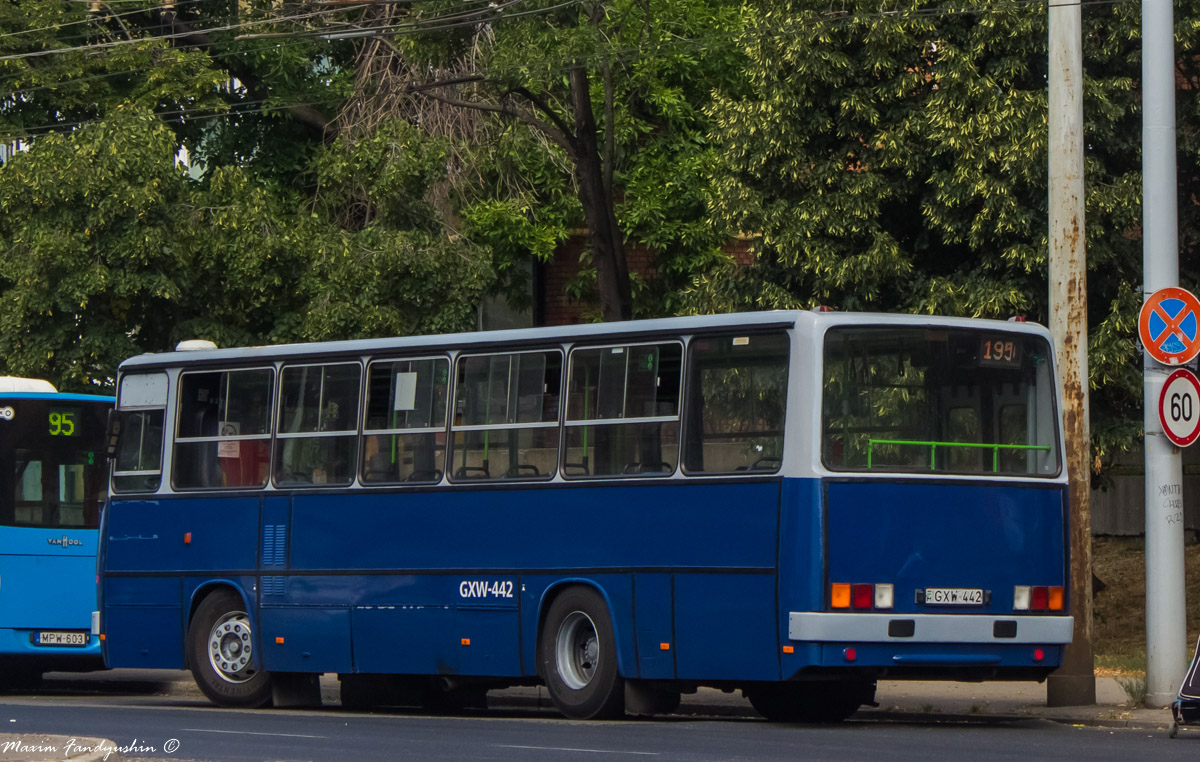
[
  {"x": 861, "y": 596},
  {"x": 839, "y": 595},
  {"x": 1037, "y": 598}
]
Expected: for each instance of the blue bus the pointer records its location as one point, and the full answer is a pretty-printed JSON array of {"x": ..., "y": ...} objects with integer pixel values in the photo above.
[
  {"x": 53, "y": 483},
  {"x": 793, "y": 504}
]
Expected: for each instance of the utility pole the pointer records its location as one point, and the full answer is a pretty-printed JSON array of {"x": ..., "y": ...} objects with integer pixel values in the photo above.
[
  {"x": 1166, "y": 628},
  {"x": 1074, "y": 683}
]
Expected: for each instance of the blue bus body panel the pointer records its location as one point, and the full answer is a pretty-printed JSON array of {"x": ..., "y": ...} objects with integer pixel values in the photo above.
[
  {"x": 420, "y": 582},
  {"x": 606, "y": 527},
  {"x": 918, "y": 535},
  {"x": 47, "y": 582},
  {"x": 182, "y": 535},
  {"x": 47, "y": 578}
]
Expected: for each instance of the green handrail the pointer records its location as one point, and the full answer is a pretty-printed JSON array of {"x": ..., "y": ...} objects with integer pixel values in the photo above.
[{"x": 932, "y": 445}]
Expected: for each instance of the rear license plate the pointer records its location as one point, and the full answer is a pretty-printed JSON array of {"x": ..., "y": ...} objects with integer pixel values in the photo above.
[
  {"x": 953, "y": 596},
  {"x": 55, "y": 638}
]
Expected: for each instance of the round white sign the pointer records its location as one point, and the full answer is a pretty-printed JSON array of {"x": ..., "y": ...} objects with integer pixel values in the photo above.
[{"x": 1179, "y": 407}]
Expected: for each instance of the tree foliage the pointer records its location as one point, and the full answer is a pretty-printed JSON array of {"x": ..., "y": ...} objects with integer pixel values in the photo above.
[
  {"x": 895, "y": 160},
  {"x": 277, "y": 231}
]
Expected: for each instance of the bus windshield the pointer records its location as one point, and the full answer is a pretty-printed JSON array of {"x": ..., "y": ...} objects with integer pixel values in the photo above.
[
  {"x": 52, "y": 464},
  {"x": 944, "y": 400}
]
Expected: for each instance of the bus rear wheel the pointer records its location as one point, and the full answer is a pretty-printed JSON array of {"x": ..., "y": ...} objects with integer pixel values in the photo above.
[
  {"x": 221, "y": 653},
  {"x": 578, "y": 657},
  {"x": 831, "y": 701}
]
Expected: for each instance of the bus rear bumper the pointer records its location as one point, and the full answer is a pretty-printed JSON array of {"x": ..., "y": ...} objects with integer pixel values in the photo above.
[
  {"x": 17, "y": 648},
  {"x": 830, "y": 627}
]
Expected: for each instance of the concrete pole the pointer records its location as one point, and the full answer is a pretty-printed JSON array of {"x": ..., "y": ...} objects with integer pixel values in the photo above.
[
  {"x": 1074, "y": 683},
  {"x": 1166, "y": 627}
]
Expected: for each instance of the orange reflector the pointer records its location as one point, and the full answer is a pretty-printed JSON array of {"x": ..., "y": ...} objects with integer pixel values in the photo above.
[
  {"x": 664, "y": 646},
  {"x": 103, "y": 636},
  {"x": 279, "y": 641},
  {"x": 466, "y": 641},
  {"x": 789, "y": 649},
  {"x": 187, "y": 538},
  {"x": 839, "y": 595},
  {"x": 1056, "y": 599}
]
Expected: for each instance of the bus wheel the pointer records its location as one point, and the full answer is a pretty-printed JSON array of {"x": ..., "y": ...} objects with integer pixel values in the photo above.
[
  {"x": 810, "y": 701},
  {"x": 578, "y": 657},
  {"x": 221, "y": 653}
]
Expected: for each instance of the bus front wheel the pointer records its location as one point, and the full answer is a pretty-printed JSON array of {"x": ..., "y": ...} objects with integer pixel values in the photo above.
[
  {"x": 578, "y": 657},
  {"x": 221, "y": 653}
]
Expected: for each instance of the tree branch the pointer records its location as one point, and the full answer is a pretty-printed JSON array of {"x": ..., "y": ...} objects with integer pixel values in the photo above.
[
  {"x": 550, "y": 131},
  {"x": 306, "y": 115}
]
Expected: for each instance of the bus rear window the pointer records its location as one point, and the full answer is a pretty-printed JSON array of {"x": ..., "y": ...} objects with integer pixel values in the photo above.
[{"x": 938, "y": 400}]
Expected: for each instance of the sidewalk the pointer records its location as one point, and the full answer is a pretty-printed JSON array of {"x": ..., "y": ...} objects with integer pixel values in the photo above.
[{"x": 899, "y": 701}]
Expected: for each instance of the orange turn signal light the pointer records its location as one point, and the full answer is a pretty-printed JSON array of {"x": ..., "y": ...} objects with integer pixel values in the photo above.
[
  {"x": 839, "y": 595},
  {"x": 1056, "y": 599}
]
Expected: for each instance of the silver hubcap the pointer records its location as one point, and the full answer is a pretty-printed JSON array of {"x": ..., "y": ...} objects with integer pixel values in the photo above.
[
  {"x": 577, "y": 650},
  {"x": 230, "y": 649}
]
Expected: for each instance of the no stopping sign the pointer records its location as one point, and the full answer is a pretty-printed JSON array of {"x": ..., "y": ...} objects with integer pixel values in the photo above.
[{"x": 1179, "y": 407}]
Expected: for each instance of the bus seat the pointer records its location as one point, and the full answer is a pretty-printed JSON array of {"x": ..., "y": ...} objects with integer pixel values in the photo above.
[{"x": 521, "y": 471}]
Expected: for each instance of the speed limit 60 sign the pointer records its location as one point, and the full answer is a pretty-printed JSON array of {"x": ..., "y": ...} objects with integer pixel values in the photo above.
[{"x": 1179, "y": 407}]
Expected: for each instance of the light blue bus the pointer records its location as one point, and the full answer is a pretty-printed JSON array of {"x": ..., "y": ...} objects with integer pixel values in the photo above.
[
  {"x": 793, "y": 504},
  {"x": 53, "y": 483}
]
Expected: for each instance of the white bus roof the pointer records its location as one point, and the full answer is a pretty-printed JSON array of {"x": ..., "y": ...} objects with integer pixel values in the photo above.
[
  {"x": 570, "y": 333},
  {"x": 18, "y": 384}
]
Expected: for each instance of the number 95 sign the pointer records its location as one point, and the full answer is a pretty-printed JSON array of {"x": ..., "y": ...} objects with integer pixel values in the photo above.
[{"x": 1179, "y": 407}]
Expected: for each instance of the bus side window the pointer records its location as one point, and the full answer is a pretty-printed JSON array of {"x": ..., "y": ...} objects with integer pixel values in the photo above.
[
  {"x": 623, "y": 410},
  {"x": 141, "y": 403},
  {"x": 317, "y": 425},
  {"x": 506, "y": 416},
  {"x": 405, "y": 429},
  {"x": 737, "y": 390},
  {"x": 223, "y": 438},
  {"x": 138, "y": 464}
]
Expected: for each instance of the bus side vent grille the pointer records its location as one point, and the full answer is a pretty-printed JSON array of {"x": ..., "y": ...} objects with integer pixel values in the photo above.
[
  {"x": 272, "y": 585},
  {"x": 274, "y": 546}
]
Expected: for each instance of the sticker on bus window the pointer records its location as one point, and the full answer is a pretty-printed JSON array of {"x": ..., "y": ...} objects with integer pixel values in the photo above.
[
  {"x": 406, "y": 392},
  {"x": 229, "y": 449}
]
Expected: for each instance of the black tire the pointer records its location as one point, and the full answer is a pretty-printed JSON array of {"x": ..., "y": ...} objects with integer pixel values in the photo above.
[
  {"x": 577, "y": 654},
  {"x": 220, "y": 646},
  {"x": 823, "y": 702}
]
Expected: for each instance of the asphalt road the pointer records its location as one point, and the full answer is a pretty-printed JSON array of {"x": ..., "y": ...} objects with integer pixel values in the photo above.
[{"x": 167, "y": 720}]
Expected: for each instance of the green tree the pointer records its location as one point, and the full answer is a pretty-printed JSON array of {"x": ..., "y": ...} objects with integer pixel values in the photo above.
[
  {"x": 896, "y": 161},
  {"x": 112, "y": 246},
  {"x": 597, "y": 121}
]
